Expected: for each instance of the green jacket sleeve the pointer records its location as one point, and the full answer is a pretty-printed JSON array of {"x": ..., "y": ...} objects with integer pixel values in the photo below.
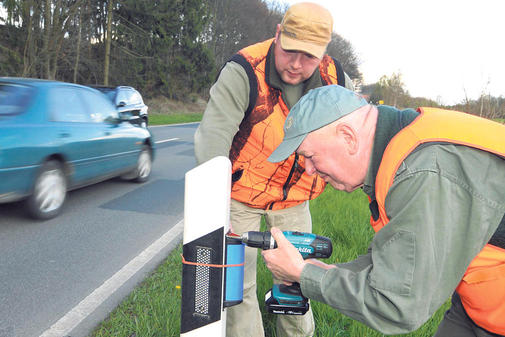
[
  {"x": 443, "y": 208},
  {"x": 229, "y": 98}
]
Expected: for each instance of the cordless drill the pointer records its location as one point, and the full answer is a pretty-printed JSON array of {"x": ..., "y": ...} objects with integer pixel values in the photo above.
[{"x": 283, "y": 299}]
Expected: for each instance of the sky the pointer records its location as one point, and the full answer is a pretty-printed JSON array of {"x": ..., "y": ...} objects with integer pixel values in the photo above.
[{"x": 445, "y": 50}]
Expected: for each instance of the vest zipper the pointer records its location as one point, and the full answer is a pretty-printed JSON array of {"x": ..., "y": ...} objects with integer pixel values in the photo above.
[{"x": 286, "y": 184}]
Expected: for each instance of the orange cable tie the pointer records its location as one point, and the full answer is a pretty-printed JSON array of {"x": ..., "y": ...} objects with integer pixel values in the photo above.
[{"x": 210, "y": 265}]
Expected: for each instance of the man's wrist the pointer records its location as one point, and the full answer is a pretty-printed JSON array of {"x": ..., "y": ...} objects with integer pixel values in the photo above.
[{"x": 310, "y": 281}]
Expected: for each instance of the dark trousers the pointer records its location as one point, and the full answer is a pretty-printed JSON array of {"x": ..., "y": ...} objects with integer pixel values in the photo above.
[{"x": 457, "y": 323}]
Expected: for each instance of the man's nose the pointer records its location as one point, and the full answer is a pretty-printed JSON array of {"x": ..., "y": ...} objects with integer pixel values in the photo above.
[
  {"x": 309, "y": 167},
  {"x": 296, "y": 60}
]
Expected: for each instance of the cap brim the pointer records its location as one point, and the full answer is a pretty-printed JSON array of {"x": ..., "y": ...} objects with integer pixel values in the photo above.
[
  {"x": 288, "y": 43},
  {"x": 286, "y": 148}
]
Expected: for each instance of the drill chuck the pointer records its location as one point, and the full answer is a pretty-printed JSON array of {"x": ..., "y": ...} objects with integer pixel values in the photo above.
[{"x": 263, "y": 240}]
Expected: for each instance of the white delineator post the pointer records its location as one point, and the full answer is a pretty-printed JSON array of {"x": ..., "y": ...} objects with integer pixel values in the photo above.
[{"x": 206, "y": 221}]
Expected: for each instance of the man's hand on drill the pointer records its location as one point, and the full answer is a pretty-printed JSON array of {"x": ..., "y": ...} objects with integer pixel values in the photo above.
[{"x": 285, "y": 262}]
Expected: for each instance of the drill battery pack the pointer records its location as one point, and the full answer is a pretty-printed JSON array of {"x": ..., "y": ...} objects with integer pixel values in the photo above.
[{"x": 286, "y": 300}]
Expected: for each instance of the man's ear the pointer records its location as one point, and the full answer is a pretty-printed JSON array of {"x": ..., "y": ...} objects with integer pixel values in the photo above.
[
  {"x": 277, "y": 33},
  {"x": 348, "y": 136}
]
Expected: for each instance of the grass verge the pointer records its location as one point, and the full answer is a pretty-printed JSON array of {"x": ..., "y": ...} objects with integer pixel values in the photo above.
[
  {"x": 175, "y": 118},
  {"x": 153, "y": 309}
]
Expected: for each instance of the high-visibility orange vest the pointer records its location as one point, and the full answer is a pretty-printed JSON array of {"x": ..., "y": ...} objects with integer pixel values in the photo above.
[
  {"x": 257, "y": 182},
  {"x": 482, "y": 288}
]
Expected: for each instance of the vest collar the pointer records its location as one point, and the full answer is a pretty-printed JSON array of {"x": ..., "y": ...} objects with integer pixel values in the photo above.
[{"x": 389, "y": 122}]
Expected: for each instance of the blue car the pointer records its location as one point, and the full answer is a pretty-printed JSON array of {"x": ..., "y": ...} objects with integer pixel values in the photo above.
[{"x": 57, "y": 136}]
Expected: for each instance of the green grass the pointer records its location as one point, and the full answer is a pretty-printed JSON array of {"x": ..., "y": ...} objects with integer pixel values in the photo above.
[
  {"x": 153, "y": 309},
  {"x": 175, "y": 118}
]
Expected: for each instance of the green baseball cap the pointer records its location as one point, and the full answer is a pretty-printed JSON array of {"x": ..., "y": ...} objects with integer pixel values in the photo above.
[{"x": 317, "y": 108}]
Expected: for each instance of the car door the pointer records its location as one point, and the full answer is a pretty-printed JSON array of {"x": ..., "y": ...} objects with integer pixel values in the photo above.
[
  {"x": 120, "y": 144},
  {"x": 80, "y": 141}
]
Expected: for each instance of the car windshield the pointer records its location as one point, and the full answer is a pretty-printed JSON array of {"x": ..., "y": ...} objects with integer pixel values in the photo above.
[
  {"x": 110, "y": 93},
  {"x": 14, "y": 98}
]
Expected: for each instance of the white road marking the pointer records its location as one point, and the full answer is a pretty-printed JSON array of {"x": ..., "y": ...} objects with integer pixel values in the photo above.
[
  {"x": 75, "y": 316},
  {"x": 170, "y": 125},
  {"x": 166, "y": 140}
]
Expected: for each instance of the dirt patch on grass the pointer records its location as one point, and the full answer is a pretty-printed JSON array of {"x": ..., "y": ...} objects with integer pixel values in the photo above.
[{"x": 163, "y": 105}]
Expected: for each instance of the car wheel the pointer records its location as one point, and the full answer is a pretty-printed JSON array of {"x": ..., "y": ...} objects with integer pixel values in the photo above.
[
  {"x": 49, "y": 191},
  {"x": 144, "y": 166}
]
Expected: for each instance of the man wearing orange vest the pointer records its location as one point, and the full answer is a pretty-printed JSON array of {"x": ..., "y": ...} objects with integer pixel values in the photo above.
[
  {"x": 436, "y": 182},
  {"x": 243, "y": 120}
]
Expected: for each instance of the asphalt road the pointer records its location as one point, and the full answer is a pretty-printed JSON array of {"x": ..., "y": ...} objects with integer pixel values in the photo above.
[{"x": 48, "y": 268}]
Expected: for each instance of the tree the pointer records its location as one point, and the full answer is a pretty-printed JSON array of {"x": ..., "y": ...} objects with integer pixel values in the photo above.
[
  {"x": 19, "y": 36},
  {"x": 235, "y": 24},
  {"x": 342, "y": 50},
  {"x": 390, "y": 90},
  {"x": 57, "y": 18},
  {"x": 78, "y": 48},
  {"x": 160, "y": 43},
  {"x": 108, "y": 39}
]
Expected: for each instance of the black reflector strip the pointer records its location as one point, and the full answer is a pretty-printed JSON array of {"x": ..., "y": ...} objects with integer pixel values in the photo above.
[
  {"x": 202, "y": 283},
  {"x": 201, "y": 301}
]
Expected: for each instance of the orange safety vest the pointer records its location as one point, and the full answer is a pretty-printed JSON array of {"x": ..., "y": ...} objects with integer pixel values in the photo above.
[
  {"x": 257, "y": 182},
  {"x": 482, "y": 288}
]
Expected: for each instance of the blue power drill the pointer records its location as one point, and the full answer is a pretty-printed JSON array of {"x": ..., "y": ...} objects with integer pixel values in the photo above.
[{"x": 282, "y": 299}]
